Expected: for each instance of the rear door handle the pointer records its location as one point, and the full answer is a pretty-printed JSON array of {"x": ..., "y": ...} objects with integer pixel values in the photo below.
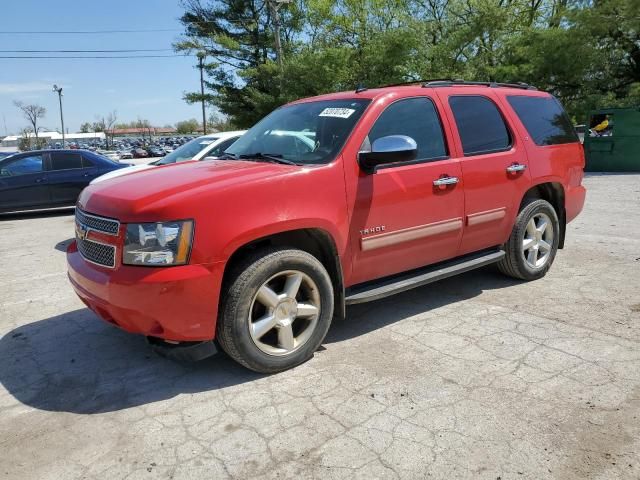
[
  {"x": 445, "y": 181},
  {"x": 39, "y": 180},
  {"x": 516, "y": 167}
]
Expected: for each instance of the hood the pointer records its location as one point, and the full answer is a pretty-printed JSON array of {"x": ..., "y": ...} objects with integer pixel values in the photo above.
[
  {"x": 121, "y": 171},
  {"x": 167, "y": 192}
]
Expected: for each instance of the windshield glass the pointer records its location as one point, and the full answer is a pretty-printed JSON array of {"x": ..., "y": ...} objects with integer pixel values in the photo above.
[
  {"x": 187, "y": 151},
  {"x": 303, "y": 133}
]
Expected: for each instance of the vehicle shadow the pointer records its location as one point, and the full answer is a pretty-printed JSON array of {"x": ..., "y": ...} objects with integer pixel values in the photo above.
[
  {"x": 76, "y": 363},
  {"x": 62, "y": 246},
  {"x": 368, "y": 317}
]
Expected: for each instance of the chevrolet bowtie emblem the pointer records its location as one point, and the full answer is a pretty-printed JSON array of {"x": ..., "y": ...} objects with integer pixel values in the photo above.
[{"x": 81, "y": 231}]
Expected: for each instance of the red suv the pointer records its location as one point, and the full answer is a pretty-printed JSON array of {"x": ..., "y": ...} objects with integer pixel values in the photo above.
[{"x": 328, "y": 201}]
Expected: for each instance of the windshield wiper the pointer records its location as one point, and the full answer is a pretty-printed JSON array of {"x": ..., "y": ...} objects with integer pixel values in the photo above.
[
  {"x": 273, "y": 157},
  {"x": 227, "y": 156}
]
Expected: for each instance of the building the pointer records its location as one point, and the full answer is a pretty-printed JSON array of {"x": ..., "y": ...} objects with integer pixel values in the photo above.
[
  {"x": 142, "y": 132},
  {"x": 55, "y": 137}
]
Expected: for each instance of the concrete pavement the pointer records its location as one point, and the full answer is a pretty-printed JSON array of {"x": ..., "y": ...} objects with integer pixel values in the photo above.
[{"x": 477, "y": 376}]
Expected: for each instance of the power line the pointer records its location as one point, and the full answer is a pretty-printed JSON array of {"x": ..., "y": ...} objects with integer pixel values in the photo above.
[
  {"x": 101, "y": 32},
  {"x": 87, "y": 32},
  {"x": 89, "y": 51},
  {"x": 87, "y": 57}
]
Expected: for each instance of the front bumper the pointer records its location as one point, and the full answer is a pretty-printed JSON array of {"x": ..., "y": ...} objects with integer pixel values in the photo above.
[{"x": 172, "y": 303}]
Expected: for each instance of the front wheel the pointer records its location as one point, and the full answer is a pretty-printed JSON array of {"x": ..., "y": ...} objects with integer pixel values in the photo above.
[
  {"x": 277, "y": 311},
  {"x": 533, "y": 242}
]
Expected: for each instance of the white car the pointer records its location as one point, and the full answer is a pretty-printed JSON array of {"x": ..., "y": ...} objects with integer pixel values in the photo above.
[
  {"x": 197, "y": 149},
  {"x": 115, "y": 156}
]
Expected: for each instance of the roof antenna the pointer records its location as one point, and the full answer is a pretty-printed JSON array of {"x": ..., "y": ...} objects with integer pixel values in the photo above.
[{"x": 360, "y": 87}]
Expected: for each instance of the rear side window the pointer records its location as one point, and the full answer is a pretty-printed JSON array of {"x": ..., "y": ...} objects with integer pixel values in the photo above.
[
  {"x": 416, "y": 118},
  {"x": 480, "y": 124},
  {"x": 65, "y": 161},
  {"x": 544, "y": 118},
  {"x": 87, "y": 162},
  {"x": 23, "y": 166}
]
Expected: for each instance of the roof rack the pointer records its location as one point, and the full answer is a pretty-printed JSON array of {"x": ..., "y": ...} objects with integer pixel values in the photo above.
[
  {"x": 361, "y": 88},
  {"x": 450, "y": 83},
  {"x": 416, "y": 81}
]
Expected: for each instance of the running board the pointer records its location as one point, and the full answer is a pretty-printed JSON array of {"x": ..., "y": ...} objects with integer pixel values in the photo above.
[{"x": 406, "y": 281}]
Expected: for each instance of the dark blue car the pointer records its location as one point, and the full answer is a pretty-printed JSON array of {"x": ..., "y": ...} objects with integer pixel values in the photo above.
[{"x": 48, "y": 178}]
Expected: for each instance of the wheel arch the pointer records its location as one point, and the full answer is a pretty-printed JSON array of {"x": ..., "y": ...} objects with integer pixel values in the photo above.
[
  {"x": 552, "y": 192},
  {"x": 315, "y": 241}
]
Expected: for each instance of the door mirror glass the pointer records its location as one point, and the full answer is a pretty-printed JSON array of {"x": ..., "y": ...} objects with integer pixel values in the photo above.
[{"x": 389, "y": 149}]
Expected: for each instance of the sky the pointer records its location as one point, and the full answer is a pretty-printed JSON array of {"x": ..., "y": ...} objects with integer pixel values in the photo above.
[{"x": 149, "y": 88}]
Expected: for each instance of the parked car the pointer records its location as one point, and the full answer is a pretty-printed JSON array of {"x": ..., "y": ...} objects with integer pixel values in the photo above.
[
  {"x": 139, "y": 153},
  {"x": 257, "y": 251},
  {"x": 115, "y": 156},
  {"x": 48, "y": 178},
  {"x": 206, "y": 146},
  {"x": 156, "y": 152},
  {"x": 125, "y": 154}
]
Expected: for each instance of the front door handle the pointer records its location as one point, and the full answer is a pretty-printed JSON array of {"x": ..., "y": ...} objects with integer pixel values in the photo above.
[
  {"x": 445, "y": 181},
  {"x": 516, "y": 167},
  {"x": 39, "y": 180}
]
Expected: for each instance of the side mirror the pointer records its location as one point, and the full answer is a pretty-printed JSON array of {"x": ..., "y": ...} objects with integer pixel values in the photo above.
[
  {"x": 389, "y": 149},
  {"x": 5, "y": 173}
]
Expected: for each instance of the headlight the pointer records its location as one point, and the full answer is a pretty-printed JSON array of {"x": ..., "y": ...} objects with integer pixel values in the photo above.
[{"x": 158, "y": 244}]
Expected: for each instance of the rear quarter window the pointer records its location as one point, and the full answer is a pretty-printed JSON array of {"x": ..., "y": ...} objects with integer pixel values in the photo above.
[{"x": 544, "y": 118}]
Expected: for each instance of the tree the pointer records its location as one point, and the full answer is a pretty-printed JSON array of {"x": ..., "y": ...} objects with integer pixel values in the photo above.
[
  {"x": 587, "y": 53},
  {"x": 187, "y": 126},
  {"x": 107, "y": 125},
  {"x": 33, "y": 113},
  {"x": 145, "y": 126},
  {"x": 220, "y": 123},
  {"x": 24, "y": 142},
  {"x": 86, "y": 127}
]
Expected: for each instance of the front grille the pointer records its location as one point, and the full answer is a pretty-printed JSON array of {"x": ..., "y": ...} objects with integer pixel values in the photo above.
[
  {"x": 97, "y": 252},
  {"x": 92, "y": 251},
  {"x": 99, "y": 224}
]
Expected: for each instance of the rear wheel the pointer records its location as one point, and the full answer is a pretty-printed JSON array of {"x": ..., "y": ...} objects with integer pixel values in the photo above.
[
  {"x": 533, "y": 242},
  {"x": 277, "y": 311}
]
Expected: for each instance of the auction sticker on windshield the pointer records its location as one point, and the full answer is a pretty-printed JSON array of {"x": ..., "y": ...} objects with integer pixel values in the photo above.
[{"x": 337, "y": 112}]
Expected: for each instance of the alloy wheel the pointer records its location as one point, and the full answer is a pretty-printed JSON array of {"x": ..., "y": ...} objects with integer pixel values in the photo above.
[
  {"x": 537, "y": 243},
  {"x": 284, "y": 313}
]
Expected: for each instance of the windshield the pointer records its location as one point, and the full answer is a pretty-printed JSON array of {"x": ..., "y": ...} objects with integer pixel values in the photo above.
[
  {"x": 187, "y": 151},
  {"x": 303, "y": 133}
]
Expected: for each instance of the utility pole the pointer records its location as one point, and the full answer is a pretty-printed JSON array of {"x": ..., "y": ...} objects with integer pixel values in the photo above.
[
  {"x": 58, "y": 90},
  {"x": 204, "y": 114},
  {"x": 275, "y": 6}
]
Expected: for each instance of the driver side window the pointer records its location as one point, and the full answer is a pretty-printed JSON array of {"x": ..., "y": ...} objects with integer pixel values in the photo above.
[
  {"x": 416, "y": 118},
  {"x": 23, "y": 166}
]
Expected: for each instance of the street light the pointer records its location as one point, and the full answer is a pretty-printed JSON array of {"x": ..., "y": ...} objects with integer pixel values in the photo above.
[{"x": 58, "y": 90}]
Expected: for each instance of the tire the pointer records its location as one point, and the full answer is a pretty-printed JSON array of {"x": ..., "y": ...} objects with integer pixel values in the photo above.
[
  {"x": 268, "y": 333},
  {"x": 519, "y": 261}
]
